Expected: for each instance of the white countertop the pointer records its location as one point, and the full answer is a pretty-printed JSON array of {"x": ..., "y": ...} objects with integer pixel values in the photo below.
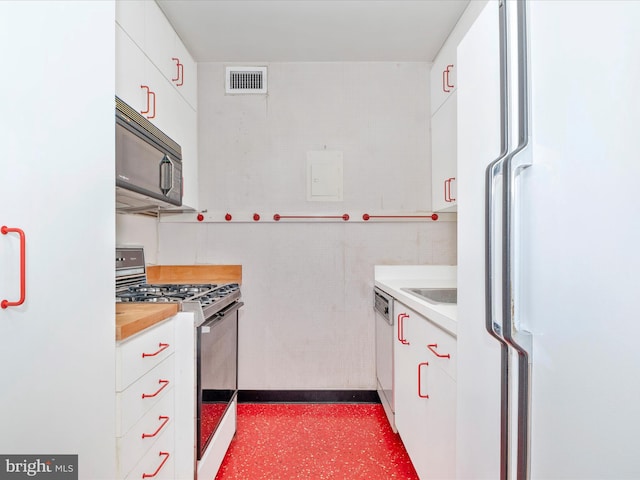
[{"x": 392, "y": 279}]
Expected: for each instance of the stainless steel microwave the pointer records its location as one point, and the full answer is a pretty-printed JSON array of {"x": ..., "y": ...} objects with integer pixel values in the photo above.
[{"x": 148, "y": 163}]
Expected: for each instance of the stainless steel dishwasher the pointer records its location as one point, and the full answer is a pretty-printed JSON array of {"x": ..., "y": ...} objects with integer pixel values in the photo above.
[{"x": 383, "y": 307}]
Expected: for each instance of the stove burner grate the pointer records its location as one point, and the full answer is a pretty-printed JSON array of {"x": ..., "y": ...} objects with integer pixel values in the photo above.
[{"x": 205, "y": 294}]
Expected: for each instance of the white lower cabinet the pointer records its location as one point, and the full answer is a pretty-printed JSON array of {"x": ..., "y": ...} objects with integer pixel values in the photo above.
[
  {"x": 145, "y": 413},
  {"x": 158, "y": 463},
  {"x": 425, "y": 394},
  {"x": 156, "y": 423},
  {"x": 140, "y": 353}
]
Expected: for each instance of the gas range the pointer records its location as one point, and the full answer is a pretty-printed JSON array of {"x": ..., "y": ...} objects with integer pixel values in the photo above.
[
  {"x": 216, "y": 339},
  {"x": 205, "y": 300}
]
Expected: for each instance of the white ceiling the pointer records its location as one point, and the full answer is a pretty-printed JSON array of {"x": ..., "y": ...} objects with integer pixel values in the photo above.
[{"x": 313, "y": 30}]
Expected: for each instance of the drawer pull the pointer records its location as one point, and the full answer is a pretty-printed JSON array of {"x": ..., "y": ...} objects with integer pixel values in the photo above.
[
  {"x": 401, "y": 338},
  {"x": 447, "y": 190},
  {"x": 161, "y": 348},
  {"x": 180, "y": 72},
  {"x": 164, "y": 385},
  {"x": 23, "y": 288},
  {"x": 433, "y": 347},
  {"x": 151, "y": 475},
  {"x": 150, "y": 95},
  {"x": 420, "y": 394},
  {"x": 165, "y": 420},
  {"x": 446, "y": 86}
]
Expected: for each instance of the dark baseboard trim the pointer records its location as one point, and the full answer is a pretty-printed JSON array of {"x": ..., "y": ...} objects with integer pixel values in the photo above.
[{"x": 308, "y": 396}]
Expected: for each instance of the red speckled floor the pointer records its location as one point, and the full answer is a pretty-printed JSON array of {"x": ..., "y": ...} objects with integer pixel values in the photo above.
[{"x": 314, "y": 442}]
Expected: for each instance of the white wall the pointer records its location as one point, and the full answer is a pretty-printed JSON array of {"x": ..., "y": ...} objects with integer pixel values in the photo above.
[
  {"x": 308, "y": 320},
  {"x": 255, "y": 147},
  {"x": 139, "y": 230}
]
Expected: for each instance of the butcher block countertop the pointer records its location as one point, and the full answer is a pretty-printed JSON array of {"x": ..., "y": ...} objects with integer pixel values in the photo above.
[
  {"x": 194, "y": 274},
  {"x": 132, "y": 318}
]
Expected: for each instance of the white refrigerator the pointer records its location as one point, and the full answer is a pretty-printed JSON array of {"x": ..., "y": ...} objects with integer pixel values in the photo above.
[{"x": 549, "y": 242}]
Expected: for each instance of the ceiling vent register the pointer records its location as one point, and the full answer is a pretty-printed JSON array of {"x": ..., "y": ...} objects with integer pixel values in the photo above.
[{"x": 242, "y": 80}]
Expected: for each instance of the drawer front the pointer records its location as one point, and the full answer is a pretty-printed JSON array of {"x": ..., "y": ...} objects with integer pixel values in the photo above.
[
  {"x": 441, "y": 349},
  {"x": 139, "y": 354},
  {"x": 145, "y": 433},
  {"x": 137, "y": 400},
  {"x": 436, "y": 346},
  {"x": 159, "y": 462}
]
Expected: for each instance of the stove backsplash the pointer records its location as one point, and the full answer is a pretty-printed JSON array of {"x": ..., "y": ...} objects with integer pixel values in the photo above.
[{"x": 130, "y": 267}]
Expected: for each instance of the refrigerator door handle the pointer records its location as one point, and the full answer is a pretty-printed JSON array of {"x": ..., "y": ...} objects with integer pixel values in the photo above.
[
  {"x": 514, "y": 164},
  {"x": 492, "y": 324},
  {"x": 492, "y": 172}
]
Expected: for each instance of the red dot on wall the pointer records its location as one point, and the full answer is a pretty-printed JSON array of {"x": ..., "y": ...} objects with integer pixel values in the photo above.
[
  {"x": 228, "y": 217},
  {"x": 200, "y": 217}
]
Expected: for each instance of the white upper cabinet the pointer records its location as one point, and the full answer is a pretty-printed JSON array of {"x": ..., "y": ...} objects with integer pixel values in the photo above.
[
  {"x": 159, "y": 39},
  {"x": 444, "y": 83},
  {"x": 141, "y": 85},
  {"x": 130, "y": 71},
  {"x": 443, "y": 157},
  {"x": 185, "y": 73},
  {"x": 156, "y": 75},
  {"x": 130, "y": 16},
  {"x": 146, "y": 25},
  {"x": 443, "y": 75}
]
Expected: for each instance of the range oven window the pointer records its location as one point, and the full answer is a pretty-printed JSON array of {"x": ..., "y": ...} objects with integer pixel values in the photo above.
[{"x": 217, "y": 372}]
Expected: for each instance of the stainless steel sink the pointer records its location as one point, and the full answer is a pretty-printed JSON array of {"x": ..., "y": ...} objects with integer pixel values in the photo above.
[{"x": 435, "y": 295}]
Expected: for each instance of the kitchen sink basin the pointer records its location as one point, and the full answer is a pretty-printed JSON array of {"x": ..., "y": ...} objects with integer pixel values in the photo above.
[{"x": 435, "y": 295}]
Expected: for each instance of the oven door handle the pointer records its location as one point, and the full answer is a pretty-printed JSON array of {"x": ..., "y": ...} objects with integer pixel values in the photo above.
[{"x": 221, "y": 314}]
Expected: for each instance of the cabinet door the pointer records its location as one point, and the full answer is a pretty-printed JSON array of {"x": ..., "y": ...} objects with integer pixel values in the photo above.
[
  {"x": 130, "y": 17},
  {"x": 439, "y": 448},
  {"x": 159, "y": 40},
  {"x": 133, "y": 71},
  {"x": 187, "y": 75},
  {"x": 427, "y": 426},
  {"x": 438, "y": 451},
  {"x": 163, "y": 106},
  {"x": 410, "y": 410},
  {"x": 425, "y": 399},
  {"x": 167, "y": 52},
  {"x": 444, "y": 157},
  {"x": 57, "y": 348},
  {"x": 130, "y": 71},
  {"x": 443, "y": 76},
  {"x": 150, "y": 53}
]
